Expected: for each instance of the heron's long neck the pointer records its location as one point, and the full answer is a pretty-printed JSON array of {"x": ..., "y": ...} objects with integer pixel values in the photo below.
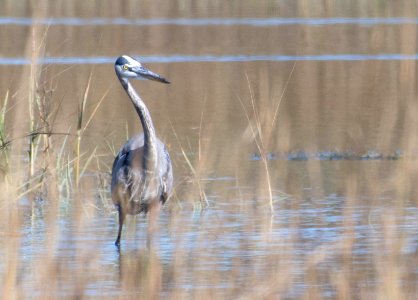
[{"x": 150, "y": 138}]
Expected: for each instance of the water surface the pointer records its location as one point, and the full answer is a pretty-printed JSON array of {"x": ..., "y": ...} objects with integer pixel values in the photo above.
[{"x": 263, "y": 98}]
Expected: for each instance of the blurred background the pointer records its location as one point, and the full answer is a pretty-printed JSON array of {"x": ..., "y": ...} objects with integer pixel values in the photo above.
[{"x": 292, "y": 127}]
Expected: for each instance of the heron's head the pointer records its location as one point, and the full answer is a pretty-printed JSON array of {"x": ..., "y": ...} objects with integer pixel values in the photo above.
[{"x": 127, "y": 67}]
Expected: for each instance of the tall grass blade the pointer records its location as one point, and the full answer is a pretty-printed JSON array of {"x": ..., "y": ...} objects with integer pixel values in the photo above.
[{"x": 81, "y": 112}]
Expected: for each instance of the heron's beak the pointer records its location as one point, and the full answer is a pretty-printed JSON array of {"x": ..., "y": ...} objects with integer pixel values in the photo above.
[{"x": 147, "y": 74}]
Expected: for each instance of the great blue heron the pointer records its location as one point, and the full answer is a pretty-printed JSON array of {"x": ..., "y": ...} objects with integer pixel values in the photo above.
[{"x": 142, "y": 176}]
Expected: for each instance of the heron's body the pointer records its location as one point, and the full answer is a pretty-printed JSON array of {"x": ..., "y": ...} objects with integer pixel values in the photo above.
[
  {"x": 142, "y": 178},
  {"x": 128, "y": 171}
]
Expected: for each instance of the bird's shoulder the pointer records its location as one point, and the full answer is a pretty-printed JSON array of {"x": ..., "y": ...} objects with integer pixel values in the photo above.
[{"x": 133, "y": 143}]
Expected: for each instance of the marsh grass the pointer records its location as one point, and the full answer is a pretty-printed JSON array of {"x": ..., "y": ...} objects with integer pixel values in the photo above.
[
  {"x": 195, "y": 170},
  {"x": 55, "y": 185},
  {"x": 257, "y": 137},
  {"x": 4, "y": 141},
  {"x": 261, "y": 130}
]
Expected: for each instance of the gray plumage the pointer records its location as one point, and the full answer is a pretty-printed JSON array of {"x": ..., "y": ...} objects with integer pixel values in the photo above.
[{"x": 142, "y": 177}]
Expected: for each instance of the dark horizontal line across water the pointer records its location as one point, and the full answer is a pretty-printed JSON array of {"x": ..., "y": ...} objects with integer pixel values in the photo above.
[
  {"x": 263, "y": 22},
  {"x": 210, "y": 58},
  {"x": 329, "y": 155}
]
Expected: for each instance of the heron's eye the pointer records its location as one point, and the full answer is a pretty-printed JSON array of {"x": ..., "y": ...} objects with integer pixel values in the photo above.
[{"x": 125, "y": 67}]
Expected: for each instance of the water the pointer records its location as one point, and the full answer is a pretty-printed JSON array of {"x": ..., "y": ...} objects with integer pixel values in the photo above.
[
  {"x": 264, "y": 22},
  {"x": 215, "y": 244},
  {"x": 322, "y": 104}
]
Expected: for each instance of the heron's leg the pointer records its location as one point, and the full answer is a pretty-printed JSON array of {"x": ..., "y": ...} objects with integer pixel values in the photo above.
[
  {"x": 164, "y": 194},
  {"x": 121, "y": 220}
]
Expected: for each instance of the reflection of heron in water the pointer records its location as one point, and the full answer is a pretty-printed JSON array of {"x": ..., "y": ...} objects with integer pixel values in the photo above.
[
  {"x": 142, "y": 178},
  {"x": 140, "y": 272}
]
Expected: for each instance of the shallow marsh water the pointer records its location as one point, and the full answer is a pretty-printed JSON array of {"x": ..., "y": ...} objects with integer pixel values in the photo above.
[{"x": 334, "y": 78}]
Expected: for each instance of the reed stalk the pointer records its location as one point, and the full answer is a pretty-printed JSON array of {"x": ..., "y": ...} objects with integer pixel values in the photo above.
[
  {"x": 80, "y": 129},
  {"x": 196, "y": 178},
  {"x": 256, "y": 135}
]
